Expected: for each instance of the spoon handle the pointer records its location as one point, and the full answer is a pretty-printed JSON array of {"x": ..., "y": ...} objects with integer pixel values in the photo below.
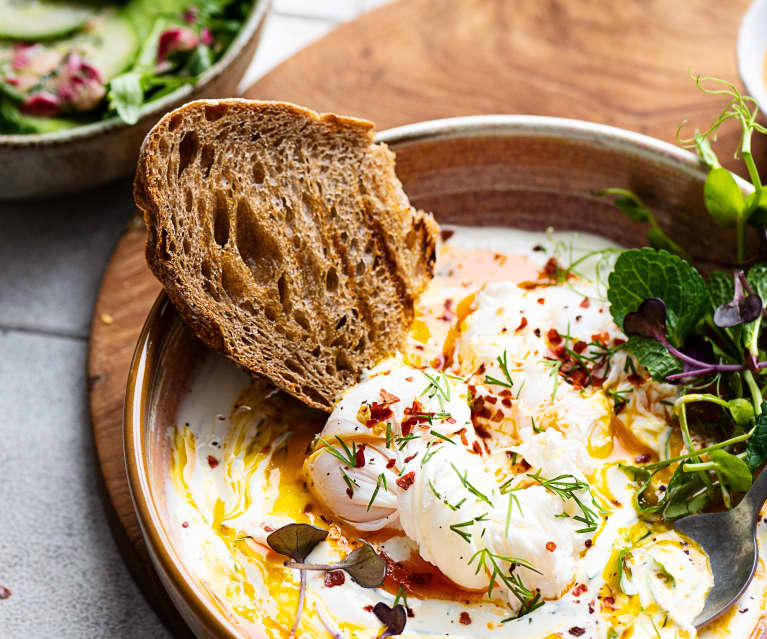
[{"x": 756, "y": 495}]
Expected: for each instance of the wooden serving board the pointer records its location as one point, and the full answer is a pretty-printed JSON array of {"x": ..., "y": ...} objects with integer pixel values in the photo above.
[{"x": 619, "y": 63}]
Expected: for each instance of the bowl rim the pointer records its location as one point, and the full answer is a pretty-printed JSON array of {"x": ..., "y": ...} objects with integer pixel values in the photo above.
[
  {"x": 163, "y": 314},
  {"x": 154, "y": 108}
]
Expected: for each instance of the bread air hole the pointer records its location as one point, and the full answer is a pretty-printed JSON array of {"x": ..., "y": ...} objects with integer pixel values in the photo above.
[
  {"x": 343, "y": 363},
  {"x": 258, "y": 172},
  {"x": 207, "y": 155},
  {"x": 331, "y": 280},
  {"x": 301, "y": 319},
  {"x": 282, "y": 289},
  {"x": 220, "y": 218},
  {"x": 256, "y": 245},
  {"x": 214, "y": 112},
  {"x": 187, "y": 149}
]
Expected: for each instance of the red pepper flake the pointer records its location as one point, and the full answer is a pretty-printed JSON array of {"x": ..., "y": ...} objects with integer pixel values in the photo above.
[
  {"x": 387, "y": 398},
  {"x": 579, "y": 346},
  {"x": 541, "y": 300},
  {"x": 486, "y": 413},
  {"x": 406, "y": 481},
  {"x": 462, "y": 433},
  {"x": 268, "y": 528},
  {"x": 411, "y": 457},
  {"x": 391, "y": 463},
  {"x": 4, "y": 592},
  {"x": 610, "y": 601},
  {"x": 588, "y": 543},
  {"x": 490, "y": 399},
  {"x": 618, "y": 341},
  {"x": 585, "y": 303},
  {"x": 212, "y": 461},
  {"x": 506, "y": 401},
  {"x": 551, "y": 267},
  {"x": 642, "y": 459},
  {"x": 349, "y": 492},
  {"x": 185, "y": 524},
  {"x": 476, "y": 447},
  {"x": 359, "y": 456},
  {"x": 560, "y": 352},
  {"x": 378, "y": 413},
  {"x": 334, "y": 578},
  {"x": 410, "y": 612},
  {"x": 505, "y": 393},
  {"x": 551, "y": 546},
  {"x": 522, "y": 324},
  {"x": 480, "y": 370},
  {"x": 591, "y": 609},
  {"x": 465, "y": 618},
  {"x": 482, "y": 431},
  {"x": 498, "y": 416},
  {"x": 576, "y": 631},
  {"x": 445, "y": 234},
  {"x": 368, "y": 608},
  {"x": 408, "y": 379},
  {"x": 580, "y": 589},
  {"x": 635, "y": 379},
  {"x": 601, "y": 338},
  {"x": 537, "y": 331},
  {"x": 553, "y": 336}
]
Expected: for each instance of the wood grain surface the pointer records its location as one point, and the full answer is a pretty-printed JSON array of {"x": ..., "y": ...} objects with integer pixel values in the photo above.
[{"x": 619, "y": 63}]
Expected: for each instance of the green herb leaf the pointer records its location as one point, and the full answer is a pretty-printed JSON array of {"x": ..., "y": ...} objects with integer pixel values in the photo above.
[
  {"x": 654, "y": 357},
  {"x": 756, "y": 204},
  {"x": 629, "y": 203},
  {"x": 643, "y": 273},
  {"x": 734, "y": 469},
  {"x": 365, "y": 566},
  {"x": 756, "y": 449},
  {"x": 720, "y": 288},
  {"x": 126, "y": 96},
  {"x": 723, "y": 197},
  {"x": 296, "y": 540}
]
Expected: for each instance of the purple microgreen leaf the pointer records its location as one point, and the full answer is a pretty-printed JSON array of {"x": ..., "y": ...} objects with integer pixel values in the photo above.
[
  {"x": 698, "y": 349},
  {"x": 296, "y": 540},
  {"x": 393, "y": 618},
  {"x": 365, "y": 566},
  {"x": 649, "y": 320},
  {"x": 744, "y": 307}
]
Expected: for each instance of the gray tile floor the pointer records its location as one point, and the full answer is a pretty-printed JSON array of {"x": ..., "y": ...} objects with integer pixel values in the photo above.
[{"x": 57, "y": 555}]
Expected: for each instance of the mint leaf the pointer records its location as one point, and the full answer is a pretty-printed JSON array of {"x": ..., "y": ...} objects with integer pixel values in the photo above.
[
  {"x": 734, "y": 469},
  {"x": 756, "y": 449},
  {"x": 757, "y": 278},
  {"x": 654, "y": 357},
  {"x": 720, "y": 288},
  {"x": 643, "y": 273},
  {"x": 723, "y": 197}
]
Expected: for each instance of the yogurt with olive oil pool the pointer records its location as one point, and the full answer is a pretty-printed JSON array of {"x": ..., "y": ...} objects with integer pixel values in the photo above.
[{"x": 485, "y": 470}]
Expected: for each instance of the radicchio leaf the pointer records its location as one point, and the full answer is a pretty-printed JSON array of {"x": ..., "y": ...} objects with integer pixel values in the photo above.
[
  {"x": 296, "y": 540},
  {"x": 393, "y": 618},
  {"x": 649, "y": 320},
  {"x": 744, "y": 307}
]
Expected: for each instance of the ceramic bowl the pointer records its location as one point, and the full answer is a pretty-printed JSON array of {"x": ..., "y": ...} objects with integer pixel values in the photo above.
[
  {"x": 43, "y": 165},
  {"x": 521, "y": 171},
  {"x": 751, "y": 51}
]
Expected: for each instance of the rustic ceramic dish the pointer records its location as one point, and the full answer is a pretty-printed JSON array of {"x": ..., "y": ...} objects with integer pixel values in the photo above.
[
  {"x": 76, "y": 159},
  {"x": 522, "y": 171}
]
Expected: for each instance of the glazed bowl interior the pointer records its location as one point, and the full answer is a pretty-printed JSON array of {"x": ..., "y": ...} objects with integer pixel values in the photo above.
[{"x": 517, "y": 171}]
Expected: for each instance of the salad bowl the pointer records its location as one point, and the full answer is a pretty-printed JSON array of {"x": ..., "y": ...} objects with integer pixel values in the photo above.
[{"x": 42, "y": 165}]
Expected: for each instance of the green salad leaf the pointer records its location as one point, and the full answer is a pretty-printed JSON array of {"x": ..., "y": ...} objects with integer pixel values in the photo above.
[{"x": 640, "y": 274}]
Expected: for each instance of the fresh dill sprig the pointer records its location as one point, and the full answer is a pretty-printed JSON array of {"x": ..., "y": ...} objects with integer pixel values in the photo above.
[
  {"x": 345, "y": 455},
  {"x": 381, "y": 481},
  {"x": 469, "y": 486},
  {"x": 441, "y": 436},
  {"x": 567, "y": 487},
  {"x": 503, "y": 363},
  {"x": 488, "y": 561}
]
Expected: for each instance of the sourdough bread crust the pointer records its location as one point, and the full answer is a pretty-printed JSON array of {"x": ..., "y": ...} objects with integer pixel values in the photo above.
[{"x": 284, "y": 238}]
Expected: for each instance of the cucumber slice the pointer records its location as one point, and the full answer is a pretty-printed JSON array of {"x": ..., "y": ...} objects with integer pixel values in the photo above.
[
  {"x": 108, "y": 42},
  {"x": 41, "y": 19}
]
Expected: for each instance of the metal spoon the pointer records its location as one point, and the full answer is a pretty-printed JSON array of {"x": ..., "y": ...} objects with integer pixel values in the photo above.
[{"x": 729, "y": 540}]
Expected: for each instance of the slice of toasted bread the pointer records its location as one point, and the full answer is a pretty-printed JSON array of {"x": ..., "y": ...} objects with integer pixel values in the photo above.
[{"x": 284, "y": 238}]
